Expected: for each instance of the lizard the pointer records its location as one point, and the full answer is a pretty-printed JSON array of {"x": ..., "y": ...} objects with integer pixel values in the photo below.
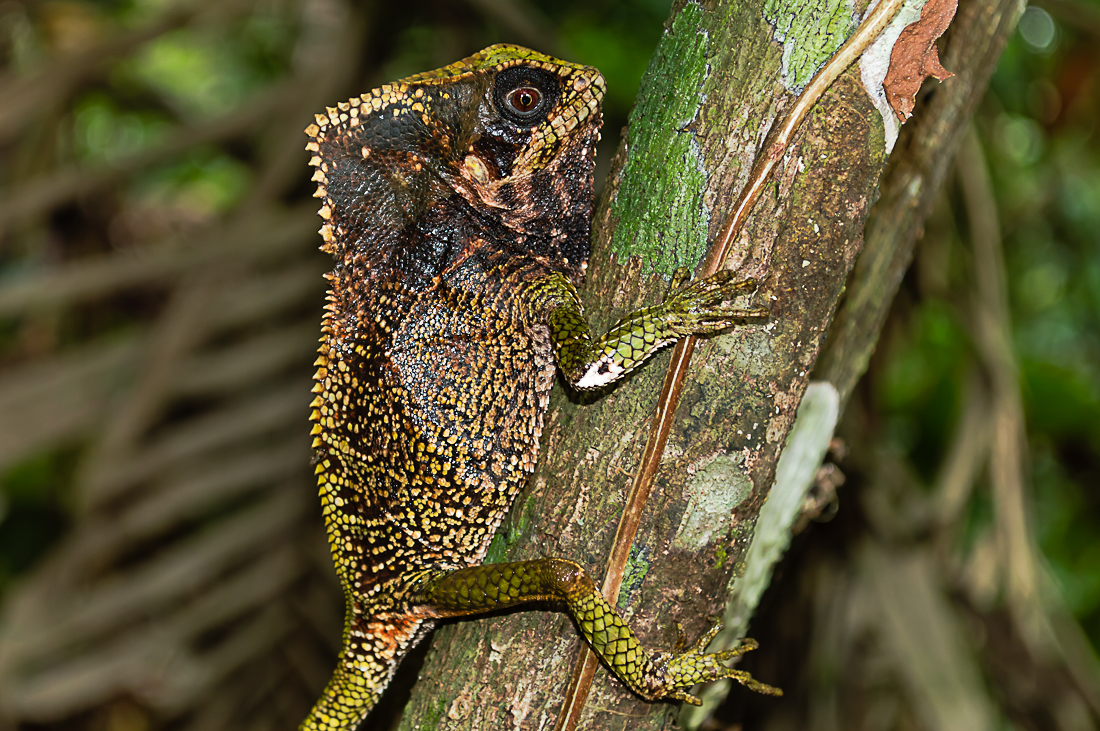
[{"x": 457, "y": 206}]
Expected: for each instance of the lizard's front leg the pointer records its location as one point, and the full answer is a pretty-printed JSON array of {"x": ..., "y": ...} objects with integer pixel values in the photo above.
[{"x": 702, "y": 308}]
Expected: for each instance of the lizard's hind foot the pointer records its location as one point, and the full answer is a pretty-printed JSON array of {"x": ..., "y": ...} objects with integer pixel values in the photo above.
[{"x": 684, "y": 670}]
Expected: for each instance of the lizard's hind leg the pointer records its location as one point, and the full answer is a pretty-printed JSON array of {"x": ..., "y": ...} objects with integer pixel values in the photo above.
[{"x": 651, "y": 675}]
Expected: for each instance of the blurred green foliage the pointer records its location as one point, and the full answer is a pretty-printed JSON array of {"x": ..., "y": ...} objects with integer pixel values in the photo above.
[
  {"x": 210, "y": 72},
  {"x": 34, "y": 511},
  {"x": 1038, "y": 127},
  {"x": 182, "y": 77},
  {"x": 104, "y": 132},
  {"x": 1045, "y": 156},
  {"x": 920, "y": 384}
]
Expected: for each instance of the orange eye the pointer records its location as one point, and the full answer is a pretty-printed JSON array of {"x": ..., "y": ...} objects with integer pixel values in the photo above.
[{"x": 525, "y": 99}]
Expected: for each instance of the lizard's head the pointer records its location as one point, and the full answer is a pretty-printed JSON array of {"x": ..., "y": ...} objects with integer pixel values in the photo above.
[
  {"x": 511, "y": 131},
  {"x": 530, "y": 109}
]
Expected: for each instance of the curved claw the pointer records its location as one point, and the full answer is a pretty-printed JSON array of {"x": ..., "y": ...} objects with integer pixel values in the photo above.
[
  {"x": 748, "y": 644},
  {"x": 684, "y": 696}
]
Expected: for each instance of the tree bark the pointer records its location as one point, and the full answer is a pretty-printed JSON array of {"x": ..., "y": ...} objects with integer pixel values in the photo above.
[{"x": 720, "y": 78}]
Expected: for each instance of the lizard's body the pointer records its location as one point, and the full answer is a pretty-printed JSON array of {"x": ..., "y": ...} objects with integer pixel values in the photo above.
[{"x": 458, "y": 214}]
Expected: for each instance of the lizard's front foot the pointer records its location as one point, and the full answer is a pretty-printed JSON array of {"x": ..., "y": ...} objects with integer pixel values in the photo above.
[
  {"x": 675, "y": 672},
  {"x": 706, "y": 305}
]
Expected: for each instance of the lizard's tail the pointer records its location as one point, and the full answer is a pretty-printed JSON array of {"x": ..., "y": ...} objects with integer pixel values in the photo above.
[
  {"x": 344, "y": 704},
  {"x": 373, "y": 645}
]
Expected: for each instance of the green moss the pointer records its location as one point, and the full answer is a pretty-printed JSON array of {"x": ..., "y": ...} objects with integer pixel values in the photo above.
[
  {"x": 810, "y": 33},
  {"x": 497, "y": 549},
  {"x": 659, "y": 205},
  {"x": 720, "y": 556},
  {"x": 433, "y": 715}
]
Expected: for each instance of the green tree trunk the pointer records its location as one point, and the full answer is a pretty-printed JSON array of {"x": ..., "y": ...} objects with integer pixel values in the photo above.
[{"x": 720, "y": 78}]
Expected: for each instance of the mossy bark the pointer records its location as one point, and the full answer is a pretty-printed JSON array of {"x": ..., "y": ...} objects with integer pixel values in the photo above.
[{"x": 716, "y": 85}]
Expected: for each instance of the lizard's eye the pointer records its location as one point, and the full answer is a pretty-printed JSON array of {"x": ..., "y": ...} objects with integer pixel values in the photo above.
[
  {"x": 525, "y": 99},
  {"x": 525, "y": 96}
]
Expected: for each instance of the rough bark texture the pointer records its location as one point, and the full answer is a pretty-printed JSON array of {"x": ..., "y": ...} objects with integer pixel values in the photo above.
[{"x": 712, "y": 92}]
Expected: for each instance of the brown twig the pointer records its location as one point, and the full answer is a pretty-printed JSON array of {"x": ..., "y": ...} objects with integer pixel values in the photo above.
[{"x": 267, "y": 236}]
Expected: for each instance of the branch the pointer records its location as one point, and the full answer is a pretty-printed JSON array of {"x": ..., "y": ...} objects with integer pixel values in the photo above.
[{"x": 661, "y": 424}]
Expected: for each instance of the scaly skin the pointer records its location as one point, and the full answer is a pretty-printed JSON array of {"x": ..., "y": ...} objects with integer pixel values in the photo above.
[{"x": 457, "y": 205}]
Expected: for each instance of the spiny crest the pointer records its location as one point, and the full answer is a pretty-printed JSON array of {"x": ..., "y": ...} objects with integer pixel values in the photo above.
[{"x": 495, "y": 58}]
